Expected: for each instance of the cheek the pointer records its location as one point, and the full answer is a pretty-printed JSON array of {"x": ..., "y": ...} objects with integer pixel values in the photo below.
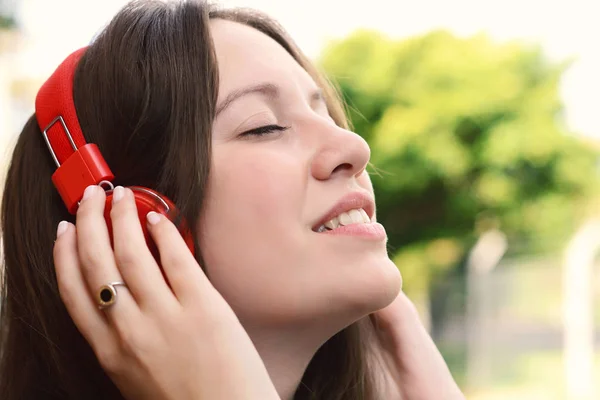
[
  {"x": 255, "y": 187},
  {"x": 246, "y": 230}
]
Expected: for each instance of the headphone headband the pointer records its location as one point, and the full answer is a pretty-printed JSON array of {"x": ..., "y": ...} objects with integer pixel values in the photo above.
[
  {"x": 54, "y": 103},
  {"x": 79, "y": 164}
]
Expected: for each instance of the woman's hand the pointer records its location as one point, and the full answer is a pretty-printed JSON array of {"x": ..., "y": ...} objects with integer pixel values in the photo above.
[
  {"x": 413, "y": 361},
  {"x": 156, "y": 342}
]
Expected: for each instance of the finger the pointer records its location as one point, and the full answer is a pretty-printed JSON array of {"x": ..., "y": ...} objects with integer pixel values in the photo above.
[
  {"x": 74, "y": 293},
  {"x": 134, "y": 259},
  {"x": 96, "y": 255},
  {"x": 185, "y": 276}
]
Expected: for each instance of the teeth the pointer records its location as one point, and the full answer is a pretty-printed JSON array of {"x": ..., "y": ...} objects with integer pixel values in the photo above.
[
  {"x": 357, "y": 216},
  {"x": 346, "y": 218},
  {"x": 365, "y": 217},
  {"x": 333, "y": 223}
]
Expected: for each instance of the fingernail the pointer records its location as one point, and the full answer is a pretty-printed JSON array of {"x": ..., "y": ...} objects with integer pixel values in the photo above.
[
  {"x": 118, "y": 194},
  {"x": 153, "y": 217},
  {"x": 62, "y": 228},
  {"x": 89, "y": 191}
]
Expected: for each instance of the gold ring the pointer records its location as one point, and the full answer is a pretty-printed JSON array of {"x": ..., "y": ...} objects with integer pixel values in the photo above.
[{"x": 107, "y": 295}]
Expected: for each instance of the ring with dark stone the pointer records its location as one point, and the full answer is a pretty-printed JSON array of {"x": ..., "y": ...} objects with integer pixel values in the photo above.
[{"x": 107, "y": 294}]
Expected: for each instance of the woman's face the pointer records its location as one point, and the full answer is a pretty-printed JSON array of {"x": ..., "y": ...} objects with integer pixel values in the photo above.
[{"x": 271, "y": 188}]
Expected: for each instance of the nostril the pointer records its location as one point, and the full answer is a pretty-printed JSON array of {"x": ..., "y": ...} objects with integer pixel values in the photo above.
[{"x": 342, "y": 167}]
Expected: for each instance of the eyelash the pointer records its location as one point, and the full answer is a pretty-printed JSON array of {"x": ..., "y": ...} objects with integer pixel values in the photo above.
[{"x": 264, "y": 130}]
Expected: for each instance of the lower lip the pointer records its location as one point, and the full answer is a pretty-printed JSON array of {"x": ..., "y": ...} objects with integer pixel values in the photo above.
[{"x": 373, "y": 231}]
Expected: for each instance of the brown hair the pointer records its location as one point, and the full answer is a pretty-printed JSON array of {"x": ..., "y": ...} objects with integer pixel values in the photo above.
[{"x": 145, "y": 93}]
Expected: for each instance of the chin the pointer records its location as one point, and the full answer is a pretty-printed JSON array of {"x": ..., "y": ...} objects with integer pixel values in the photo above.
[
  {"x": 371, "y": 289},
  {"x": 384, "y": 285}
]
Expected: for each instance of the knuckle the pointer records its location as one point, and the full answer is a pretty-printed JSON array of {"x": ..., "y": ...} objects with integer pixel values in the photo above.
[
  {"x": 134, "y": 343},
  {"x": 84, "y": 211},
  {"x": 115, "y": 212},
  {"x": 211, "y": 312},
  {"x": 128, "y": 343},
  {"x": 109, "y": 359},
  {"x": 91, "y": 256},
  {"x": 169, "y": 240},
  {"x": 66, "y": 290},
  {"x": 122, "y": 209},
  {"x": 161, "y": 229},
  {"x": 125, "y": 338},
  {"x": 170, "y": 257},
  {"x": 127, "y": 255}
]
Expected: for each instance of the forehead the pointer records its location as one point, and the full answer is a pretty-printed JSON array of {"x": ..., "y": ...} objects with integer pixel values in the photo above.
[{"x": 247, "y": 56}]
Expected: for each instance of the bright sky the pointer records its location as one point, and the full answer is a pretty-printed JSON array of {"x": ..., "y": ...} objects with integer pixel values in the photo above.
[{"x": 565, "y": 28}]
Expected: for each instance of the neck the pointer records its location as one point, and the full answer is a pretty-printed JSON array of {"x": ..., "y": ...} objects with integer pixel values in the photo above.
[{"x": 286, "y": 355}]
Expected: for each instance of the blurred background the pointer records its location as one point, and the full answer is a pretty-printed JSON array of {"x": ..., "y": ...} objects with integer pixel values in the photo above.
[{"x": 483, "y": 121}]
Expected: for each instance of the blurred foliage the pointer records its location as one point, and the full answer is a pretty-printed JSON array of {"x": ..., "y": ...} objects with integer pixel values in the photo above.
[
  {"x": 7, "y": 20},
  {"x": 466, "y": 135}
]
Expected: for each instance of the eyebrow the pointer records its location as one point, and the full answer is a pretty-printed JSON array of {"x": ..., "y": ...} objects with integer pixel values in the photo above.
[{"x": 269, "y": 90}]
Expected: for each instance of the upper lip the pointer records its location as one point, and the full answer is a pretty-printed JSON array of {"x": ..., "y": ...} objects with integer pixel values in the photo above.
[{"x": 349, "y": 202}]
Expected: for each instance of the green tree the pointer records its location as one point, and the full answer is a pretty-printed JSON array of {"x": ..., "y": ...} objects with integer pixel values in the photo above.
[
  {"x": 466, "y": 135},
  {"x": 7, "y": 20}
]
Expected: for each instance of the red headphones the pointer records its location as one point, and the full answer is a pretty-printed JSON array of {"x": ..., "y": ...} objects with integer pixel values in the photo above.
[{"x": 80, "y": 164}]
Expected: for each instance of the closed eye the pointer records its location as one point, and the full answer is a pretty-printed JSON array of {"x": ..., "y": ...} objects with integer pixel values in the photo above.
[{"x": 265, "y": 130}]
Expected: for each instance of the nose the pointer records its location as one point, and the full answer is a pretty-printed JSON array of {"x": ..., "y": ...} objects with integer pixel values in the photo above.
[{"x": 341, "y": 153}]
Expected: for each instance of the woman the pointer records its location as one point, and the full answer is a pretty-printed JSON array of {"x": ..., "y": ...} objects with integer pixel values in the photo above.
[{"x": 221, "y": 112}]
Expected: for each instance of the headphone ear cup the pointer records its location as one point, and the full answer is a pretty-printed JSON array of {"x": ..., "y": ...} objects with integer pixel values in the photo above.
[{"x": 147, "y": 200}]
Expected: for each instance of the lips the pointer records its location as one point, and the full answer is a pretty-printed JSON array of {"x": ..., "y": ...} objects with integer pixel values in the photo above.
[{"x": 351, "y": 201}]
